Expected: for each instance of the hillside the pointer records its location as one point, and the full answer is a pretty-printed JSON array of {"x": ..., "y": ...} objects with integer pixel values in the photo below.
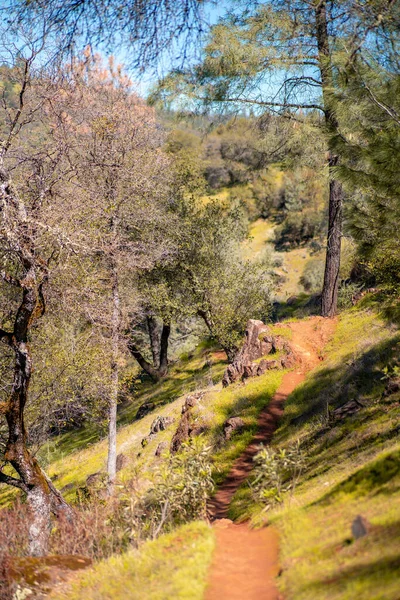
[
  {"x": 199, "y": 300},
  {"x": 344, "y": 416}
]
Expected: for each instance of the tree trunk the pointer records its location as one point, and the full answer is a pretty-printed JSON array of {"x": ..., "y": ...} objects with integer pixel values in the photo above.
[
  {"x": 113, "y": 400},
  {"x": 334, "y": 238},
  {"x": 155, "y": 373},
  {"x": 42, "y": 497},
  {"x": 154, "y": 337},
  {"x": 166, "y": 330}
]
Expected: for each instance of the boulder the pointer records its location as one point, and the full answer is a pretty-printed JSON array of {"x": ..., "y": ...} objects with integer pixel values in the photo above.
[
  {"x": 95, "y": 479},
  {"x": 161, "y": 448},
  {"x": 160, "y": 424},
  {"x": 195, "y": 431},
  {"x": 258, "y": 343},
  {"x": 185, "y": 426},
  {"x": 122, "y": 461},
  {"x": 347, "y": 409},
  {"x": 145, "y": 409},
  {"x": 232, "y": 424},
  {"x": 254, "y": 347},
  {"x": 288, "y": 361},
  {"x": 360, "y": 527},
  {"x": 267, "y": 365}
]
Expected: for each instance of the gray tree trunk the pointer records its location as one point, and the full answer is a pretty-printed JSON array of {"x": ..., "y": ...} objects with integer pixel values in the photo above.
[
  {"x": 113, "y": 400},
  {"x": 38, "y": 500}
]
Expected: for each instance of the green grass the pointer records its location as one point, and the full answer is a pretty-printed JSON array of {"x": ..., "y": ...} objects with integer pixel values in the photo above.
[
  {"x": 353, "y": 467},
  {"x": 238, "y": 400},
  {"x": 70, "y": 458},
  {"x": 173, "y": 566}
]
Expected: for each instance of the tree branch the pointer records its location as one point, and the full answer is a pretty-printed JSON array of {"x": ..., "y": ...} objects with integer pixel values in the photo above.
[
  {"x": 276, "y": 104},
  {"x": 14, "y": 482},
  {"x": 10, "y": 279}
]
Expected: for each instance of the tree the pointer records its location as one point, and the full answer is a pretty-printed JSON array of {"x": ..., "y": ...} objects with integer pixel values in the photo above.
[
  {"x": 277, "y": 56},
  {"x": 146, "y": 29},
  {"x": 209, "y": 277},
  {"x": 369, "y": 143},
  {"x": 31, "y": 246},
  {"x": 120, "y": 183}
]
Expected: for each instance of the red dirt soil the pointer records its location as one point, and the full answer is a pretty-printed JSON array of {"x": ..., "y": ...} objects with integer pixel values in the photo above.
[{"x": 245, "y": 561}]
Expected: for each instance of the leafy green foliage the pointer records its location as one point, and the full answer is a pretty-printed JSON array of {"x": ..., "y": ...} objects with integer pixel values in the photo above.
[
  {"x": 368, "y": 108},
  {"x": 182, "y": 487},
  {"x": 276, "y": 472}
]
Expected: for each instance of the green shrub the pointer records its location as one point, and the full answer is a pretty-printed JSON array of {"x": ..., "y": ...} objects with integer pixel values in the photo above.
[
  {"x": 276, "y": 472},
  {"x": 312, "y": 277},
  {"x": 182, "y": 488}
]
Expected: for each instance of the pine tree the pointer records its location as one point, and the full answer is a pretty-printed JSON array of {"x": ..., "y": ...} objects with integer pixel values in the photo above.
[{"x": 368, "y": 108}]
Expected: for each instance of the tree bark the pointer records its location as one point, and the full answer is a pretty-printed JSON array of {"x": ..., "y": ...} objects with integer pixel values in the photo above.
[
  {"x": 113, "y": 400},
  {"x": 336, "y": 195},
  {"x": 155, "y": 373},
  {"x": 42, "y": 497},
  {"x": 154, "y": 337},
  {"x": 166, "y": 330}
]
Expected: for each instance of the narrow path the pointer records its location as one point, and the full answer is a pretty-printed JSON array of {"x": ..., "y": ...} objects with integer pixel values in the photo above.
[{"x": 245, "y": 561}]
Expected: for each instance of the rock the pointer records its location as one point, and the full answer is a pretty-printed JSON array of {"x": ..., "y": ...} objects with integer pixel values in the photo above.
[
  {"x": 348, "y": 409},
  {"x": 181, "y": 435},
  {"x": 231, "y": 425},
  {"x": 145, "y": 409},
  {"x": 122, "y": 461},
  {"x": 360, "y": 527},
  {"x": 197, "y": 431},
  {"x": 253, "y": 348},
  {"x": 96, "y": 487},
  {"x": 279, "y": 344},
  {"x": 266, "y": 346},
  {"x": 392, "y": 386},
  {"x": 249, "y": 371},
  {"x": 288, "y": 361},
  {"x": 185, "y": 427},
  {"x": 161, "y": 448},
  {"x": 258, "y": 343},
  {"x": 160, "y": 424},
  {"x": 67, "y": 488},
  {"x": 145, "y": 441},
  {"x": 267, "y": 365},
  {"x": 95, "y": 479}
]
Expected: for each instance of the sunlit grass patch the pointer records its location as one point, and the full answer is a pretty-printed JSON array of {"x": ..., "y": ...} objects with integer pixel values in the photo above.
[
  {"x": 352, "y": 468},
  {"x": 238, "y": 400},
  {"x": 173, "y": 566},
  {"x": 321, "y": 559}
]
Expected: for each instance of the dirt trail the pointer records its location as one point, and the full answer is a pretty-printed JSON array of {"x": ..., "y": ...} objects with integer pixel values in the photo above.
[{"x": 245, "y": 561}]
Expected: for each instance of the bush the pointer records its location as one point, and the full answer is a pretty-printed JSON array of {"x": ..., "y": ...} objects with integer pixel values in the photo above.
[
  {"x": 182, "y": 488},
  {"x": 312, "y": 277},
  {"x": 298, "y": 228},
  {"x": 13, "y": 542},
  {"x": 275, "y": 473},
  {"x": 346, "y": 294}
]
